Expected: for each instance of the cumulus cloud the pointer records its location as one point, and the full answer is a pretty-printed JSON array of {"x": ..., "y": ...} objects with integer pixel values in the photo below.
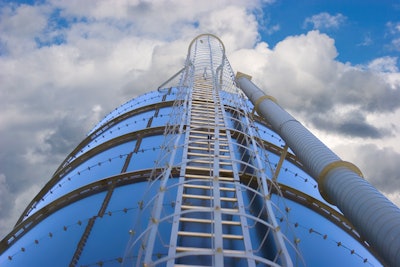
[
  {"x": 65, "y": 64},
  {"x": 302, "y": 72},
  {"x": 325, "y": 21}
]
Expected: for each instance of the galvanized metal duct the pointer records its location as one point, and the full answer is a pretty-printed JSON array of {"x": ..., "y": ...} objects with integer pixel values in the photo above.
[{"x": 341, "y": 183}]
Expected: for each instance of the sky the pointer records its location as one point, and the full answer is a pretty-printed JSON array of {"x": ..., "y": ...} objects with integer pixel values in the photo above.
[{"x": 65, "y": 64}]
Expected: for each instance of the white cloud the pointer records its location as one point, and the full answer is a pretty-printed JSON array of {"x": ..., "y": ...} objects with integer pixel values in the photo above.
[
  {"x": 367, "y": 41},
  {"x": 384, "y": 64},
  {"x": 4, "y": 190},
  {"x": 395, "y": 44},
  {"x": 303, "y": 63},
  {"x": 393, "y": 27},
  {"x": 19, "y": 26},
  {"x": 325, "y": 21},
  {"x": 393, "y": 32},
  {"x": 54, "y": 90}
]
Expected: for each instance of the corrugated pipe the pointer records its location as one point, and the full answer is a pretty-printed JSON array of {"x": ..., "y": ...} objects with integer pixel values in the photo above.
[{"x": 374, "y": 217}]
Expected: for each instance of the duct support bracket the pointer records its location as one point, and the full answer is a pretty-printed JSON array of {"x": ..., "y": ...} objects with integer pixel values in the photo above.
[{"x": 328, "y": 168}]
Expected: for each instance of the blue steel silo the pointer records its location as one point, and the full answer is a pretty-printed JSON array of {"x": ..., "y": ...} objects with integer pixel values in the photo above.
[{"x": 206, "y": 170}]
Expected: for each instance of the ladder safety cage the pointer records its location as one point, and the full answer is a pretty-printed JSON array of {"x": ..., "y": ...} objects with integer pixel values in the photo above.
[{"x": 200, "y": 209}]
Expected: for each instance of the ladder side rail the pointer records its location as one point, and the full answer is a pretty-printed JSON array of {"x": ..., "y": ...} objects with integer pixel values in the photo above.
[
  {"x": 155, "y": 217},
  {"x": 217, "y": 216},
  {"x": 278, "y": 235},
  {"x": 239, "y": 196},
  {"x": 178, "y": 202}
]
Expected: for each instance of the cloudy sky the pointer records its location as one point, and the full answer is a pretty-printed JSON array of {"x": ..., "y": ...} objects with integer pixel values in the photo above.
[{"x": 65, "y": 64}]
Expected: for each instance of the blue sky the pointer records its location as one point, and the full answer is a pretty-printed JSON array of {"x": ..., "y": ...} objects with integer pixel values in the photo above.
[
  {"x": 363, "y": 32},
  {"x": 65, "y": 64}
]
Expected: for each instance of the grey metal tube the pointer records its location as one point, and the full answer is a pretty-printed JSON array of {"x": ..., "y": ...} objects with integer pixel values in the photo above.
[{"x": 375, "y": 218}]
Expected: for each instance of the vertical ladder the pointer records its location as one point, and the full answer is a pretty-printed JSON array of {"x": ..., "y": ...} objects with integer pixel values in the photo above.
[{"x": 209, "y": 226}]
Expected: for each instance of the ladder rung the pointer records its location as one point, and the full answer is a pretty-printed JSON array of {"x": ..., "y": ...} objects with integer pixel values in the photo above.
[
  {"x": 203, "y": 117},
  {"x": 202, "y": 100},
  {"x": 230, "y": 179},
  {"x": 188, "y": 207},
  {"x": 209, "y": 120},
  {"x": 204, "y": 137},
  {"x": 202, "y": 148},
  {"x": 208, "y": 169},
  {"x": 196, "y": 196},
  {"x": 208, "y": 130},
  {"x": 227, "y": 199},
  {"x": 229, "y": 210},
  {"x": 200, "y": 154},
  {"x": 207, "y": 177},
  {"x": 211, "y": 114},
  {"x": 196, "y": 176},
  {"x": 202, "y": 132},
  {"x": 230, "y": 189},
  {"x": 194, "y": 234},
  {"x": 192, "y": 249},
  {"x": 199, "y": 161},
  {"x": 206, "y": 123},
  {"x": 205, "y": 148},
  {"x": 195, "y": 91},
  {"x": 197, "y": 138},
  {"x": 206, "y": 116},
  {"x": 203, "y": 103},
  {"x": 225, "y": 171},
  {"x": 200, "y": 234},
  {"x": 198, "y": 133},
  {"x": 198, "y": 168},
  {"x": 200, "y": 110},
  {"x": 203, "y": 111},
  {"x": 211, "y": 161},
  {"x": 202, "y": 84},
  {"x": 195, "y": 220},
  {"x": 231, "y": 199},
  {"x": 229, "y": 236},
  {"x": 206, "y": 187},
  {"x": 206, "y": 89},
  {"x": 208, "y": 250},
  {"x": 200, "y": 81},
  {"x": 202, "y": 93},
  {"x": 202, "y": 142},
  {"x": 188, "y": 265}
]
